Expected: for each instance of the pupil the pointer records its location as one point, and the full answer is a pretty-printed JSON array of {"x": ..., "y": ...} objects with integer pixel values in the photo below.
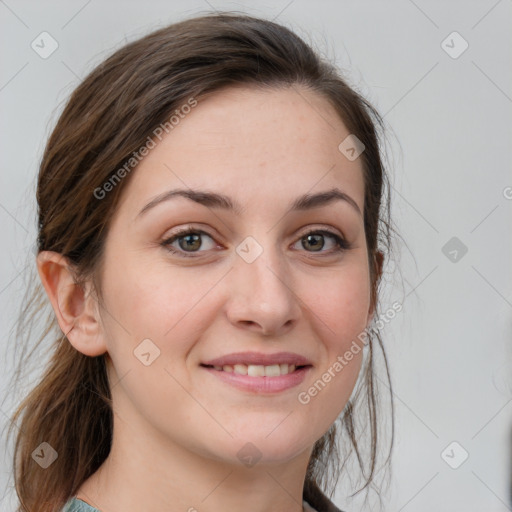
[
  {"x": 318, "y": 245},
  {"x": 188, "y": 239}
]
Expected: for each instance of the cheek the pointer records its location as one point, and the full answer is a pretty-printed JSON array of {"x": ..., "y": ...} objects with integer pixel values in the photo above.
[
  {"x": 154, "y": 302},
  {"x": 339, "y": 310},
  {"x": 341, "y": 306}
]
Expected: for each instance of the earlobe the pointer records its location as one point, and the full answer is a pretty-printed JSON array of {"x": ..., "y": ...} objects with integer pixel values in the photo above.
[{"x": 75, "y": 308}]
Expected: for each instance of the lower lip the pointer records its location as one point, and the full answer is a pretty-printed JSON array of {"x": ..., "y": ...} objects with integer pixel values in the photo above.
[{"x": 262, "y": 384}]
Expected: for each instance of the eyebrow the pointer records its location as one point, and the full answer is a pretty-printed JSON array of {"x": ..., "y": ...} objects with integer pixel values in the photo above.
[{"x": 216, "y": 200}]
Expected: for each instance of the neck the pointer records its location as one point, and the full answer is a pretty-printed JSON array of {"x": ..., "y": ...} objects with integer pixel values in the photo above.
[{"x": 147, "y": 472}]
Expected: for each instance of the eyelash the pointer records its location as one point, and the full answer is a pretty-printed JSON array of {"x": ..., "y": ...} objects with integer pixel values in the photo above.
[{"x": 341, "y": 243}]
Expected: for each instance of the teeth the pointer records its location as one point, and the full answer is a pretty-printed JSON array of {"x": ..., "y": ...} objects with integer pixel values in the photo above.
[
  {"x": 257, "y": 370},
  {"x": 272, "y": 371},
  {"x": 241, "y": 369},
  {"x": 254, "y": 370}
]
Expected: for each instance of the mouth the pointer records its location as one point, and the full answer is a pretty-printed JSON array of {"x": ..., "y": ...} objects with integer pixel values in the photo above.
[
  {"x": 259, "y": 379},
  {"x": 256, "y": 370},
  {"x": 259, "y": 373}
]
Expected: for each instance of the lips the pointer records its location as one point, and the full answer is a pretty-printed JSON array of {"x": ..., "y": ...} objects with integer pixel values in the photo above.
[{"x": 260, "y": 379}]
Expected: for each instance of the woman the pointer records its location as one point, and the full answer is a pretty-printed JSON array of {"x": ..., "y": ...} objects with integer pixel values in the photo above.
[{"x": 209, "y": 218}]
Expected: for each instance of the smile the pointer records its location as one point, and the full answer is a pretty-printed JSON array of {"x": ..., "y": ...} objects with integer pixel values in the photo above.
[
  {"x": 259, "y": 379},
  {"x": 256, "y": 370}
]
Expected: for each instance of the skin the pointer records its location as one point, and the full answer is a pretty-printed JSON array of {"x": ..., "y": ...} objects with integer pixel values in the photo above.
[{"x": 177, "y": 427}]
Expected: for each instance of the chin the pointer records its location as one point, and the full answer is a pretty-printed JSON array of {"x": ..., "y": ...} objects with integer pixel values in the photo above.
[{"x": 268, "y": 447}]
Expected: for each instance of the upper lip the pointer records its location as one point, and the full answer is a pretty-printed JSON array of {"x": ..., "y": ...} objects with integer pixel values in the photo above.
[{"x": 258, "y": 358}]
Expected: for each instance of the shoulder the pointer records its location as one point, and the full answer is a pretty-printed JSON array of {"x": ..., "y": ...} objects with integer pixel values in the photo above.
[{"x": 76, "y": 505}]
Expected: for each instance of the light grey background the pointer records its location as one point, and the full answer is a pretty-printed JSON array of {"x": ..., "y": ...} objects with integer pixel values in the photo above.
[{"x": 449, "y": 348}]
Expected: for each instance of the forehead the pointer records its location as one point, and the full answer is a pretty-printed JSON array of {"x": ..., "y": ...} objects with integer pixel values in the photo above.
[{"x": 255, "y": 145}]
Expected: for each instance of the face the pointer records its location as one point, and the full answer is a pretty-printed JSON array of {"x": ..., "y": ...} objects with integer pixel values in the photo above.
[{"x": 265, "y": 286}]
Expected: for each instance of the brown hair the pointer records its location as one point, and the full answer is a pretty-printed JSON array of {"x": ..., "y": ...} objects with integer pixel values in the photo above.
[{"x": 108, "y": 117}]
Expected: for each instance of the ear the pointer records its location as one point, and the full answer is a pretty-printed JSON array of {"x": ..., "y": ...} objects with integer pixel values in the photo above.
[
  {"x": 76, "y": 310},
  {"x": 379, "y": 262}
]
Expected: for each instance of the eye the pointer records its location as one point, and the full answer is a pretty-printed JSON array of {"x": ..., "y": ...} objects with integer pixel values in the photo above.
[
  {"x": 189, "y": 241},
  {"x": 316, "y": 241}
]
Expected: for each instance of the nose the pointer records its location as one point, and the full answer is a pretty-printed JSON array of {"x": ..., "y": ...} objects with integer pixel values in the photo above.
[{"x": 261, "y": 295}]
